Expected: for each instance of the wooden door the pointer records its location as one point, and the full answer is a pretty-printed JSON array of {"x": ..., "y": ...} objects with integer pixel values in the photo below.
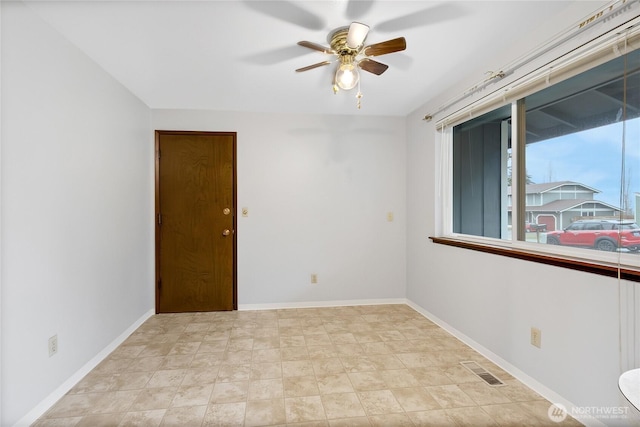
[{"x": 195, "y": 221}]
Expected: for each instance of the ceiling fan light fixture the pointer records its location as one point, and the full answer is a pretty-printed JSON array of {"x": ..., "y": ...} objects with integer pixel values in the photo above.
[
  {"x": 347, "y": 76},
  {"x": 348, "y": 45}
]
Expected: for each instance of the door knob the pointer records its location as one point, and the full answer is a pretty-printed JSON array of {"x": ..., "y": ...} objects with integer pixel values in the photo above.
[{"x": 226, "y": 232}]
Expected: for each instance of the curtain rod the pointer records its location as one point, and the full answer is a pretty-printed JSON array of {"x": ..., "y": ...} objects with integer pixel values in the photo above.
[{"x": 613, "y": 9}]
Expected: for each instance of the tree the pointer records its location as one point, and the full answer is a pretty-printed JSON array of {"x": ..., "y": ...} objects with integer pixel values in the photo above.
[
  {"x": 528, "y": 178},
  {"x": 625, "y": 201}
]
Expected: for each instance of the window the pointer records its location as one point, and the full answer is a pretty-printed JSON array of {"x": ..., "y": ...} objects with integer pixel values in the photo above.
[
  {"x": 597, "y": 226},
  {"x": 480, "y": 165},
  {"x": 580, "y": 134},
  {"x": 557, "y": 168}
]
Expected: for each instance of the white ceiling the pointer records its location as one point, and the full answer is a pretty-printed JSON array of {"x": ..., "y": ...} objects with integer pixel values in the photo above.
[{"x": 241, "y": 55}]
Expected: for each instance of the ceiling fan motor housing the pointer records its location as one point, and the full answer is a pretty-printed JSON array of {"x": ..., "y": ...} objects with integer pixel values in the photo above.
[
  {"x": 347, "y": 43},
  {"x": 338, "y": 42}
]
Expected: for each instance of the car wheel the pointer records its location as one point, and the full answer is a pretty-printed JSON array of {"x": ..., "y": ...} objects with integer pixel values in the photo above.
[
  {"x": 606, "y": 245},
  {"x": 552, "y": 240}
]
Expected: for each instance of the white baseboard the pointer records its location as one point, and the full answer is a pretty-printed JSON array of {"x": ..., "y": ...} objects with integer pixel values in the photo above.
[
  {"x": 313, "y": 304},
  {"x": 525, "y": 379},
  {"x": 539, "y": 388},
  {"x": 58, "y": 393}
]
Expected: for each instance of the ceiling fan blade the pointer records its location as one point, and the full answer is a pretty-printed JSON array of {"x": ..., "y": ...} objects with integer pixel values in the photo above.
[
  {"x": 400, "y": 60},
  {"x": 358, "y": 8},
  {"x": 287, "y": 11},
  {"x": 273, "y": 56},
  {"x": 311, "y": 67},
  {"x": 316, "y": 46},
  {"x": 372, "y": 66},
  {"x": 356, "y": 35},
  {"x": 428, "y": 16},
  {"x": 382, "y": 48}
]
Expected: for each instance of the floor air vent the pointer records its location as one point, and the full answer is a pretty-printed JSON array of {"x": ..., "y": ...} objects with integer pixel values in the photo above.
[{"x": 485, "y": 375}]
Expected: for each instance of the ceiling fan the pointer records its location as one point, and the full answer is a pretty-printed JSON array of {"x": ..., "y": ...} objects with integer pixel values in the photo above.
[{"x": 347, "y": 44}]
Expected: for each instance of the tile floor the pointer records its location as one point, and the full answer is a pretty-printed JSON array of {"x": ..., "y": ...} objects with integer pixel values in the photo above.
[{"x": 379, "y": 365}]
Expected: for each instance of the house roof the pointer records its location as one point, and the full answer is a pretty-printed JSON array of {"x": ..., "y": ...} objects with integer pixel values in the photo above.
[
  {"x": 565, "y": 205},
  {"x": 548, "y": 186}
]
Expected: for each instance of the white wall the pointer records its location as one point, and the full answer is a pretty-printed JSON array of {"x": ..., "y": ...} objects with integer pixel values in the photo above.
[
  {"x": 77, "y": 210},
  {"x": 77, "y": 213},
  {"x": 494, "y": 300},
  {"x": 77, "y": 228},
  {"x": 318, "y": 190}
]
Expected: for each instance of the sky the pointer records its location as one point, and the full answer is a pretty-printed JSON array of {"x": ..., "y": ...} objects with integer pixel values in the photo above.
[{"x": 592, "y": 157}]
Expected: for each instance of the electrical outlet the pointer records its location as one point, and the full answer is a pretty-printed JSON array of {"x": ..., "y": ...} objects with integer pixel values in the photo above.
[
  {"x": 53, "y": 345},
  {"x": 314, "y": 278},
  {"x": 245, "y": 212},
  {"x": 536, "y": 337}
]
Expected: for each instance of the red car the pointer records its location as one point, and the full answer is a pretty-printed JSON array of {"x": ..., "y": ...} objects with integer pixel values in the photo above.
[{"x": 602, "y": 234}]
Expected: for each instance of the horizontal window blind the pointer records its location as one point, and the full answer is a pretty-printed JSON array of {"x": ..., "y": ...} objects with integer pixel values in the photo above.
[{"x": 605, "y": 47}]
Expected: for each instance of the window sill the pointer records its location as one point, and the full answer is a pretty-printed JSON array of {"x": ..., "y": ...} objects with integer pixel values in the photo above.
[{"x": 603, "y": 269}]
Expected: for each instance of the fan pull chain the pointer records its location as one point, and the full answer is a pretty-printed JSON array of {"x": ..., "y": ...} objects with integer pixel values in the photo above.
[{"x": 359, "y": 96}]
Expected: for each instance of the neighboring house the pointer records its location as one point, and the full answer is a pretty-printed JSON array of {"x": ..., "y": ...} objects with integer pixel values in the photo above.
[{"x": 558, "y": 204}]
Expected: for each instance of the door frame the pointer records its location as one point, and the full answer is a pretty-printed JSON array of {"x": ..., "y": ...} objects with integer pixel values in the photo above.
[{"x": 156, "y": 219}]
